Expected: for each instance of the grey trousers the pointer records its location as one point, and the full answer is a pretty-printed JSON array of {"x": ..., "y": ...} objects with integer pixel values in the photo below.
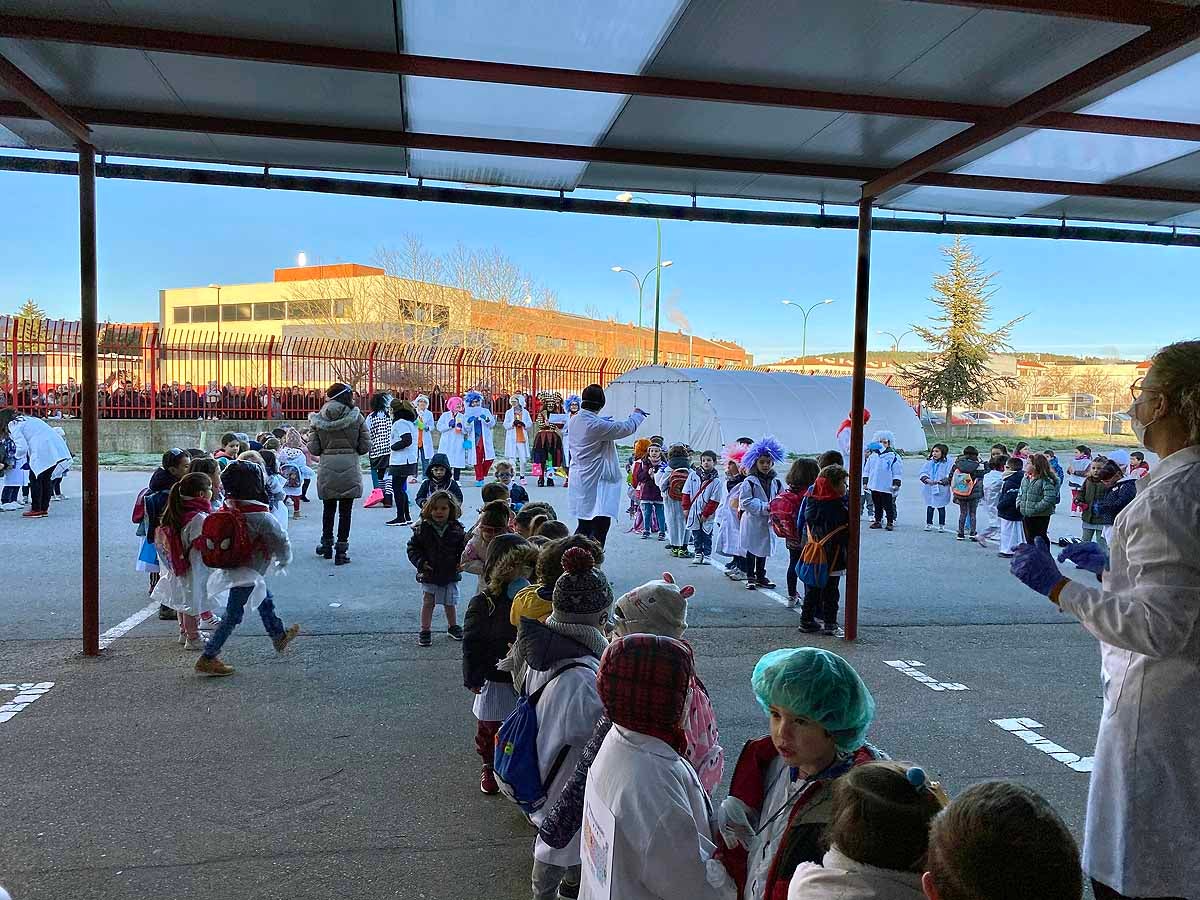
[{"x": 547, "y": 878}]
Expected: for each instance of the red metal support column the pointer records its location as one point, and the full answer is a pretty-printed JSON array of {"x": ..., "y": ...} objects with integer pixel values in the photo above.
[
  {"x": 458, "y": 372},
  {"x": 91, "y": 438},
  {"x": 271, "y": 378},
  {"x": 153, "y": 390},
  {"x": 603, "y": 365},
  {"x": 533, "y": 381},
  {"x": 371, "y": 368},
  {"x": 858, "y": 398}
]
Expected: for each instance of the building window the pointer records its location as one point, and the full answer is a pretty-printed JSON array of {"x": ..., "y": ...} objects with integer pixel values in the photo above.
[
  {"x": 586, "y": 348},
  {"x": 517, "y": 341},
  {"x": 235, "y": 312},
  {"x": 711, "y": 362},
  {"x": 204, "y": 314},
  {"x": 549, "y": 343},
  {"x": 182, "y": 315},
  {"x": 307, "y": 309},
  {"x": 268, "y": 311},
  {"x": 339, "y": 309}
]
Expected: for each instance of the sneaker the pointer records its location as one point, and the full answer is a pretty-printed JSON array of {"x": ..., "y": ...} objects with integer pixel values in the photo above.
[
  {"x": 206, "y": 665},
  {"x": 487, "y": 781},
  {"x": 698, "y": 560},
  {"x": 286, "y": 638},
  {"x": 750, "y": 584},
  {"x": 831, "y": 629},
  {"x": 1005, "y": 555},
  {"x": 685, "y": 553},
  {"x": 34, "y": 514},
  {"x": 478, "y": 483},
  {"x": 645, "y": 535},
  {"x": 210, "y": 623},
  {"x": 810, "y": 626},
  {"x": 929, "y": 528},
  {"x": 875, "y": 525},
  {"x": 57, "y": 497},
  {"x": 425, "y": 639},
  {"x": 793, "y": 601},
  {"x": 9, "y": 506},
  {"x": 455, "y": 632},
  {"x": 194, "y": 643},
  {"x": 166, "y": 613},
  {"x": 941, "y": 529},
  {"x": 766, "y": 583},
  {"x": 960, "y": 537},
  {"x": 890, "y": 527},
  {"x": 395, "y": 521},
  {"x": 662, "y": 535},
  {"x": 736, "y": 575}
]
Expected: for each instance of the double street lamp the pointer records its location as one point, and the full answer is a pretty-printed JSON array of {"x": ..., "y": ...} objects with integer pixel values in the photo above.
[
  {"x": 896, "y": 340},
  {"x": 806, "y": 312},
  {"x": 659, "y": 265},
  {"x": 641, "y": 283}
]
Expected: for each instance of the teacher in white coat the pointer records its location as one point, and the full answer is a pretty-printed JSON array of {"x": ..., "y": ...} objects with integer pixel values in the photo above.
[
  {"x": 1144, "y": 607},
  {"x": 597, "y": 481},
  {"x": 43, "y": 448}
]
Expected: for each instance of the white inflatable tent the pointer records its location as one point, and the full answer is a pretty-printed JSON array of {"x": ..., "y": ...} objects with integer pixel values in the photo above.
[{"x": 710, "y": 408}]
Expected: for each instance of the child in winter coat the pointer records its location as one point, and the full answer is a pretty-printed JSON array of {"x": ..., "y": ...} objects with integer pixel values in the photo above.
[
  {"x": 1090, "y": 492},
  {"x": 966, "y": 484},
  {"x": 677, "y": 484},
  {"x": 438, "y": 477},
  {"x": 1121, "y": 488},
  {"x": 425, "y": 429},
  {"x": 884, "y": 478},
  {"x": 517, "y": 495},
  {"x": 246, "y": 495},
  {"x": 487, "y": 634},
  {"x": 1138, "y": 467},
  {"x": 645, "y": 472},
  {"x": 780, "y": 801},
  {"x": 175, "y": 464},
  {"x": 1038, "y": 497},
  {"x": 562, "y": 656},
  {"x": 1055, "y": 465},
  {"x": 752, "y": 502},
  {"x": 826, "y": 517},
  {"x": 935, "y": 486},
  {"x": 787, "y": 519},
  {"x": 493, "y": 522},
  {"x": 183, "y": 585},
  {"x": 402, "y": 459},
  {"x": 665, "y": 844},
  {"x": 705, "y": 502},
  {"x": 435, "y": 548},
  {"x": 1011, "y": 532},
  {"x": 878, "y": 837},
  {"x": 276, "y": 499}
]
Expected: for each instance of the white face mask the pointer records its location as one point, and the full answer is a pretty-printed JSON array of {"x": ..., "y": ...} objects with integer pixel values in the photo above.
[{"x": 1139, "y": 427}]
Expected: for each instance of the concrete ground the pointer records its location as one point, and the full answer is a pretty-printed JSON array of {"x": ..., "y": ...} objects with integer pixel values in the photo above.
[{"x": 346, "y": 767}]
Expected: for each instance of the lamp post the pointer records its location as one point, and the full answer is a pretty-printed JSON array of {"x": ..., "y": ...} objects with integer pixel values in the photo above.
[
  {"x": 896, "y": 340},
  {"x": 627, "y": 197},
  {"x": 641, "y": 283},
  {"x": 217, "y": 288},
  {"x": 806, "y": 312}
]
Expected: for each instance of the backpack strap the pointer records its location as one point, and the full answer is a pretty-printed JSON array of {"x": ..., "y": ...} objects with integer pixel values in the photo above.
[
  {"x": 824, "y": 540},
  {"x": 536, "y": 695}
]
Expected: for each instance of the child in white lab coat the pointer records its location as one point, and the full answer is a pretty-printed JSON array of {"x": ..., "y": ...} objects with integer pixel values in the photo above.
[
  {"x": 935, "y": 486},
  {"x": 752, "y": 503}
]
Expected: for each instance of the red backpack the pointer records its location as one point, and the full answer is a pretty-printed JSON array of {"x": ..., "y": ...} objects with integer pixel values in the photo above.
[
  {"x": 784, "y": 509},
  {"x": 675, "y": 482},
  {"x": 139, "y": 506},
  {"x": 225, "y": 541}
]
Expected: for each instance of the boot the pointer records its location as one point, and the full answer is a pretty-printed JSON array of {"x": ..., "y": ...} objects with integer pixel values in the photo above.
[
  {"x": 341, "y": 555},
  {"x": 325, "y": 548}
]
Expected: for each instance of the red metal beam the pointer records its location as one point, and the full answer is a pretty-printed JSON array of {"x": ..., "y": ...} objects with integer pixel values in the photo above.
[
  {"x": 1149, "y": 13},
  {"x": 1142, "y": 50},
  {"x": 350, "y": 59},
  {"x": 617, "y": 155},
  {"x": 42, "y": 103}
]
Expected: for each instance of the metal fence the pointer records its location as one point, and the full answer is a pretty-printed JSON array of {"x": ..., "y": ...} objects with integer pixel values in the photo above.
[{"x": 148, "y": 373}]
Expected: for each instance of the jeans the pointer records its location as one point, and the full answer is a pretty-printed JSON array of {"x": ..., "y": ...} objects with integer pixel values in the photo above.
[
  {"x": 703, "y": 541},
  {"x": 233, "y": 617},
  {"x": 941, "y": 514},
  {"x": 821, "y": 602},
  {"x": 548, "y": 877},
  {"x": 596, "y": 529},
  {"x": 792, "y": 578},
  {"x": 342, "y": 509},
  {"x": 885, "y": 504},
  {"x": 39, "y": 489},
  {"x": 968, "y": 515},
  {"x": 660, "y": 516}
]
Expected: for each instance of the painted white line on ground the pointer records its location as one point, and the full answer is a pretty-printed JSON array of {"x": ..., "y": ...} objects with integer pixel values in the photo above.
[
  {"x": 912, "y": 668},
  {"x": 123, "y": 628},
  {"x": 27, "y": 693},
  {"x": 1023, "y": 728},
  {"x": 766, "y": 592}
]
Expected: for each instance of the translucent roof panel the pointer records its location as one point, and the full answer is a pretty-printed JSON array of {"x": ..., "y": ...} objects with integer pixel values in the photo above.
[{"x": 618, "y": 36}]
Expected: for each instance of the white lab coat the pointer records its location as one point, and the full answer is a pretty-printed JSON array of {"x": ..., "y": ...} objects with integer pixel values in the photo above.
[
  {"x": 567, "y": 715},
  {"x": 936, "y": 495},
  {"x": 597, "y": 480},
  {"x": 453, "y": 442},
  {"x": 664, "y": 835},
  {"x": 754, "y": 506},
  {"x": 187, "y": 593},
  {"x": 567, "y": 438},
  {"x": 729, "y": 539},
  {"x": 512, "y": 449},
  {"x": 407, "y": 456},
  {"x": 882, "y": 469},
  {"x": 841, "y": 878},
  {"x": 38, "y": 443},
  {"x": 489, "y": 421},
  {"x": 701, "y": 496},
  {"x": 677, "y": 534},
  {"x": 1140, "y": 837},
  {"x": 425, "y": 430}
]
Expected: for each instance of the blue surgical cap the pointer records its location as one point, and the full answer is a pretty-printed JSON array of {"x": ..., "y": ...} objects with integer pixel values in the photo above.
[{"x": 820, "y": 686}]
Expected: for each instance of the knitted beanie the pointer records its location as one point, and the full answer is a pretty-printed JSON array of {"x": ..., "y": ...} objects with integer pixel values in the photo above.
[{"x": 582, "y": 594}]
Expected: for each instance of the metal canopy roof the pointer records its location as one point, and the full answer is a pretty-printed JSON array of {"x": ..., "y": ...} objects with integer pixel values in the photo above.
[{"x": 1079, "y": 109}]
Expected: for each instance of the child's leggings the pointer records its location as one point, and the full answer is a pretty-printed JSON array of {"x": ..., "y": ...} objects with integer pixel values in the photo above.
[
  {"x": 941, "y": 514},
  {"x": 793, "y": 558},
  {"x": 485, "y": 740},
  {"x": 233, "y": 617}
]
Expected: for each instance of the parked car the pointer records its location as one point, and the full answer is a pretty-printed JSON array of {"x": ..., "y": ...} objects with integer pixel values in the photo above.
[
  {"x": 988, "y": 417},
  {"x": 1026, "y": 418}
]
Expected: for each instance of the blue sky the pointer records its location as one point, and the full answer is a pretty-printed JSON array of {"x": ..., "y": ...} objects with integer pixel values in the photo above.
[{"x": 728, "y": 279}]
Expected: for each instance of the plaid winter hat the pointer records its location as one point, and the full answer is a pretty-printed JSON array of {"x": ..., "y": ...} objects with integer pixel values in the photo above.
[
  {"x": 656, "y": 607},
  {"x": 582, "y": 593},
  {"x": 643, "y": 682}
]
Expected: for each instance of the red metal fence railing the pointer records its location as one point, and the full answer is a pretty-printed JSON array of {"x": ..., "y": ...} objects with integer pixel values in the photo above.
[{"x": 148, "y": 373}]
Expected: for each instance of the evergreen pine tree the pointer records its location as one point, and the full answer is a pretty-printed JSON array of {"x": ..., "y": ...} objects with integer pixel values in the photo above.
[
  {"x": 957, "y": 371},
  {"x": 31, "y": 326}
]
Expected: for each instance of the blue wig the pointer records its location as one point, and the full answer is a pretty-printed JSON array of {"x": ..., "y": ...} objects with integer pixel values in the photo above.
[
  {"x": 766, "y": 446},
  {"x": 573, "y": 398},
  {"x": 472, "y": 396}
]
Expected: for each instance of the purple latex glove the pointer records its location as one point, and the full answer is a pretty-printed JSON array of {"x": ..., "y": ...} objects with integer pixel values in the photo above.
[
  {"x": 1034, "y": 566},
  {"x": 1090, "y": 556}
]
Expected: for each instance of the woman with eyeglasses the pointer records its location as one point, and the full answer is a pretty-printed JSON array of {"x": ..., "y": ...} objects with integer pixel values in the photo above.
[
  {"x": 41, "y": 448},
  {"x": 1141, "y": 600}
]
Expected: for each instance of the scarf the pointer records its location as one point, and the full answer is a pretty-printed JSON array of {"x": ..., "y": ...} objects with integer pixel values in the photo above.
[
  {"x": 823, "y": 490},
  {"x": 588, "y": 635},
  {"x": 706, "y": 477},
  {"x": 177, "y": 555}
]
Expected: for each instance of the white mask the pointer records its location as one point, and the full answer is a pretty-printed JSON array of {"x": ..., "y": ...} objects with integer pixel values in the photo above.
[{"x": 1139, "y": 427}]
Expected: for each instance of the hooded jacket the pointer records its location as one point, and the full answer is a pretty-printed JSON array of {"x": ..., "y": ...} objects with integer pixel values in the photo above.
[
  {"x": 1115, "y": 499},
  {"x": 823, "y": 512},
  {"x": 428, "y": 486},
  {"x": 1006, "y": 505},
  {"x": 339, "y": 437},
  {"x": 974, "y": 468},
  {"x": 435, "y": 556},
  {"x": 487, "y": 632}
]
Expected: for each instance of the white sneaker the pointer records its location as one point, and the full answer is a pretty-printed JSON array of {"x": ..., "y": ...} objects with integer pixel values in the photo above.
[
  {"x": 793, "y": 602},
  {"x": 209, "y": 624},
  {"x": 941, "y": 529},
  {"x": 10, "y": 506},
  {"x": 929, "y": 528},
  {"x": 194, "y": 643},
  {"x": 57, "y": 497}
]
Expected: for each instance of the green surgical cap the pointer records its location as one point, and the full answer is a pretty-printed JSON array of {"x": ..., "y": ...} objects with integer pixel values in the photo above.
[{"x": 820, "y": 686}]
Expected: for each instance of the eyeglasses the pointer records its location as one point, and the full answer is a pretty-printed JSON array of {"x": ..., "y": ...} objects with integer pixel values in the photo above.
[{"x": 1139, "y": 387}]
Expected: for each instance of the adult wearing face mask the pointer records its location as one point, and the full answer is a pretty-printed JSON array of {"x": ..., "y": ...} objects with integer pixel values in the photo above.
[{"x": 1140, "y": 836}]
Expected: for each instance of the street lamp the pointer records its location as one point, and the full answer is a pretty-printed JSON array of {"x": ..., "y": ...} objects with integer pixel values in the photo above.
[
  {"x": 805, "y": 312},
  {"x": 627, "y": 197},
  {"x": 641, "y": 283},
  {"x": 217, "y": 288},
  {"x": 896, "y": 340}
]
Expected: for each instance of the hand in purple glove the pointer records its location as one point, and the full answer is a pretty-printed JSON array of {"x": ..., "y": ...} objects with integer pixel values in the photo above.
[
  {"x": 1034, "y": 566},
  {"x": 1090, "y": 557}
]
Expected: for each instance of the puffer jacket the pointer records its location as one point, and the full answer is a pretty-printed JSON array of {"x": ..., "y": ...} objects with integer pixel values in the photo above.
[
  {"x": 339, "y": 437},
  {"x": 435, "y": 556},
  {"x": 487, "y": 634},
  {"x": 1114, "y": 499},
  {"x": 1091, "y": 491},
  {"x": 1038, "y": 497}
]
